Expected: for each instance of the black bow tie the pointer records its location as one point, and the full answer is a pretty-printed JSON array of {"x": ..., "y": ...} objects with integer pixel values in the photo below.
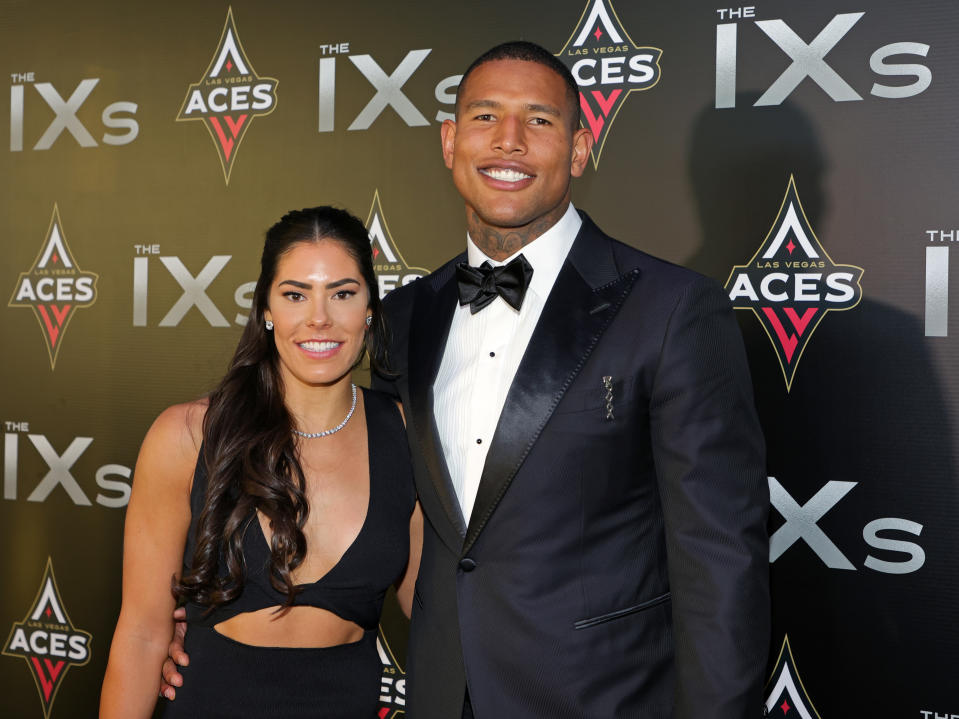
[{"x": 478, "y": 286}]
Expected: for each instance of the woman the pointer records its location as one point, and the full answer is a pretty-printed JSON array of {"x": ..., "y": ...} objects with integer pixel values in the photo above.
[{"x": 285, "y": 498}]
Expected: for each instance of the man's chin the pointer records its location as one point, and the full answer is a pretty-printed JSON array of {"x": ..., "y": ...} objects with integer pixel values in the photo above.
[{"x": 504, "y": 219}]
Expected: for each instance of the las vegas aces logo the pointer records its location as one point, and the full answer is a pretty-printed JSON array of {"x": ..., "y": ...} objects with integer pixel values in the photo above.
[
  {"x": 392, "y": 270},
  {"x": 608, "y": 67},
  {"x": 791, "y": 283},
  {"x": 47, "y": 640},
  {"x": 785, "y": 694},
  {"x": 392, "y": 681},
  {"x": 228, "y": 96},
  {"x": 54, "y": 287}
]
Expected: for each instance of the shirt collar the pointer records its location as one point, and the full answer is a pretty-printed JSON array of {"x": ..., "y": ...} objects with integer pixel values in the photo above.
[{"x": 546, "y": 254}]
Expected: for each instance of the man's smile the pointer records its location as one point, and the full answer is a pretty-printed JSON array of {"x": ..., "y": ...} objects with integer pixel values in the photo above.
[{"x": 504, "y": 174}]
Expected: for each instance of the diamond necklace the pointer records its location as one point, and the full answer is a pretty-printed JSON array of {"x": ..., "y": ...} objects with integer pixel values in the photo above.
[{"x": 334, "y": 430}]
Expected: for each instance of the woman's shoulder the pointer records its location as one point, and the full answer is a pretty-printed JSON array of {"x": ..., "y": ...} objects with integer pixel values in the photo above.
[
  {"x": 376, "y": 395},
  {"x": 177, "y": 433},
  {"x": 383, "y": 403},
  {"x": 387, "y": 429},
  {"x": 182, "y": 422}
]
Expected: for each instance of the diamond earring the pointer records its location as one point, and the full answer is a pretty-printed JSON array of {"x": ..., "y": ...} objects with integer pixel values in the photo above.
[
  {"x": 269, "y": 324},
  {"x": 369, "y": 320}
]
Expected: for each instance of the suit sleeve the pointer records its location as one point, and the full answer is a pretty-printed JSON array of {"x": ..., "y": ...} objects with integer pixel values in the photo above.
[{"x": 710, "y": 465}]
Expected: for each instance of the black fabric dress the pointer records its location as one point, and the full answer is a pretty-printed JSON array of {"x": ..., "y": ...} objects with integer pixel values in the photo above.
[{"x": 228, "y": 679}]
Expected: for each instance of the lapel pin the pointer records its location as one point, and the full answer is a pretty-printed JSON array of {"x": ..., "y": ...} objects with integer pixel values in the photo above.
[{"x": 608, "y": 384}]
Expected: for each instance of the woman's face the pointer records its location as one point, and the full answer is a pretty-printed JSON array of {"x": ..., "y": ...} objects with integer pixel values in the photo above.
[{"x": 318, "y": 303}]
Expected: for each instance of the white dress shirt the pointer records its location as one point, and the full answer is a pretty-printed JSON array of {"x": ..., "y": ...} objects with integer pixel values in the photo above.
[{"x": 482, "y": 354}]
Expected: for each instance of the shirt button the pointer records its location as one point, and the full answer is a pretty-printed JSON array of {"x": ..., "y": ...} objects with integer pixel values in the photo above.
[
  {"x": 492, "y": 354},
  {"x": 467, "y": 564},
  {"x": 479, "y": 441}
]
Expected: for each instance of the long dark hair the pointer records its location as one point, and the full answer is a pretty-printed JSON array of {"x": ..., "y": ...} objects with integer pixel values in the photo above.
[{"x": 248, "y": 447}]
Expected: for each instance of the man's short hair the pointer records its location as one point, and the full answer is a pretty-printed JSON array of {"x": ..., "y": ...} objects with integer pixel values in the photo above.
[{"x": 529, "y": 52}]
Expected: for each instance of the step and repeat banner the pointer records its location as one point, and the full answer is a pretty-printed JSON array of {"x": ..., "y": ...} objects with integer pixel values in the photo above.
[{"x": 804, "y": 155}]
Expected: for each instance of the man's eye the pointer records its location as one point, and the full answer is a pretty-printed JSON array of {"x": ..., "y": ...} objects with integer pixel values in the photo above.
[{"x": 540, "y": 121}]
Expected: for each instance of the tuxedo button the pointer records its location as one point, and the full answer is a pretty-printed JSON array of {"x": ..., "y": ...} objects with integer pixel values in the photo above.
[{"x": 467, "y": 564}]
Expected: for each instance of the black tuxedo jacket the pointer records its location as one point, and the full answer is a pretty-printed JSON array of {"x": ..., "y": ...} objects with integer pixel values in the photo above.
[{"x": 616, "y": 560}]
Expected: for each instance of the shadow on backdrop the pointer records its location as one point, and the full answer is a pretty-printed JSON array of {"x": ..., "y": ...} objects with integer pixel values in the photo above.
[{"x": 865, "y": 407}]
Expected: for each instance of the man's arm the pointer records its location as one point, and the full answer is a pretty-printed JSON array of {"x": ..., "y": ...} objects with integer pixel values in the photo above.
[
  {"x": 176, "y": 657},
  {"x": 710, "y": 463}
]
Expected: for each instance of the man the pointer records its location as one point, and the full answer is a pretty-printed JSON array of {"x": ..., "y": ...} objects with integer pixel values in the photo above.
[
  {"x": 586, "y": 453},
  {"x": 590, "y": 465}
]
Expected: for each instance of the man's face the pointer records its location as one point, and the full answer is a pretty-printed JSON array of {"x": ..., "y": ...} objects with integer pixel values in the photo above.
[{"x": 512, "y": 148}]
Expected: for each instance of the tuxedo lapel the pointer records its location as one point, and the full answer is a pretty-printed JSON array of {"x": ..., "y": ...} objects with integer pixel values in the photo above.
[
  {"x": 585, "y": 297},
  {"x": 432, "y": 315}
]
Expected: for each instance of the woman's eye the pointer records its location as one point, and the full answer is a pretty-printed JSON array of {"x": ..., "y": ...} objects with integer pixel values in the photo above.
[
  {"x": 294, "y": 296},
  {"x": 344, "y": 294}
]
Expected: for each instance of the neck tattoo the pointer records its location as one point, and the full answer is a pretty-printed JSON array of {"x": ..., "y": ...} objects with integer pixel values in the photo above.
[{"x": 500, "y": 243}]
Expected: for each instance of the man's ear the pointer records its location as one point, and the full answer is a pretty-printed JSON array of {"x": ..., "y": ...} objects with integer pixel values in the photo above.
[
  {"x": 448, "y": 140},
  {"x": 582, "y": 144}
]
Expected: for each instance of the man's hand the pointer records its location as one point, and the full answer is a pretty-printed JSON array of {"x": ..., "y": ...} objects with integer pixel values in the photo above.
[{"x": 177, "y": 657}]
